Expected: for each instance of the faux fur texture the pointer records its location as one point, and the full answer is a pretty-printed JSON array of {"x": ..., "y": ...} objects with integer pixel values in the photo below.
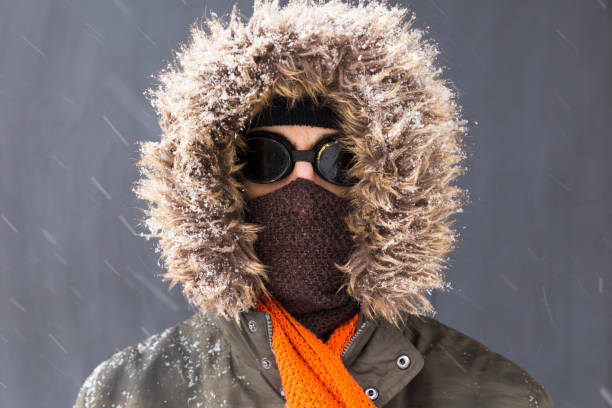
[{"x": 398, "y": 117}]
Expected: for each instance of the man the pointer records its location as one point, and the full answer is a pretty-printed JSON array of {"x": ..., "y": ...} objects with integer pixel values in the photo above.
[{"x": 301, "y": 195}]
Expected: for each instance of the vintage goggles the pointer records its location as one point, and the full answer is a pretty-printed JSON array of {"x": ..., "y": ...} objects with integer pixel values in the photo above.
[{"x": 270, "y": 157}]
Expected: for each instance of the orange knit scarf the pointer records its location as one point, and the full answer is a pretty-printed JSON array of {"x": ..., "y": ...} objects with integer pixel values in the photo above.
[{"x": 312, "y": 373}]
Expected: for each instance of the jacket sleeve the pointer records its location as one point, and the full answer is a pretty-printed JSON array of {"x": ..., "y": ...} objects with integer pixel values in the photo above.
[
  {"x": 99, "y": 384},
  {"x": 85, "y": 391},
  {"x": 512, "y": 388},
  {"x": 539, "y": 397},
  {"x": 534, "y": 396},
  {"x": 80, "y": 400},
  {"x": 532, "y": 392},
  {"x": 545, "y": 399}
]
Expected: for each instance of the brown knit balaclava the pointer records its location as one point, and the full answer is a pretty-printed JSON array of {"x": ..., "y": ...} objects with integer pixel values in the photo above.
[{"x": 304, "y": 235}]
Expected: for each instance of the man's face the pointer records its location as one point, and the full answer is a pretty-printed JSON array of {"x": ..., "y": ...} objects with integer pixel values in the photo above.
[{"x": 303, "y": 138}]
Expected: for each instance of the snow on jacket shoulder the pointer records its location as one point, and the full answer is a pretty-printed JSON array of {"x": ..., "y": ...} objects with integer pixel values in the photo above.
[{"x": 210, "y": 362}]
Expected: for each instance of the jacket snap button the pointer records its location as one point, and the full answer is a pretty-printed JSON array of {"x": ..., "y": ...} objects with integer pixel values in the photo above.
[
  {"x": 403, "y": 361},
  {"x": 265, "y": 363},
  {"x": 252, "y": 325},
  {"x": 372, "y": 393}
]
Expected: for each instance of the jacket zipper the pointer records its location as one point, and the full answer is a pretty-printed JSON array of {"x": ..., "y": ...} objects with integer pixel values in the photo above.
[
  {"x": 348, "y": 345},
  {"x": 269, "y": 324},
  {"x": 352, "y": 339}
]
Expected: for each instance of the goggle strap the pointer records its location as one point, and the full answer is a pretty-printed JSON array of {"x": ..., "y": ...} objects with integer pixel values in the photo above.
[{"x": 303, "y": 155}]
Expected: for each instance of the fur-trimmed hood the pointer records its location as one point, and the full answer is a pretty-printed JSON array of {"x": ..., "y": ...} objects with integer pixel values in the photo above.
[{"x": 399, "y": 119}]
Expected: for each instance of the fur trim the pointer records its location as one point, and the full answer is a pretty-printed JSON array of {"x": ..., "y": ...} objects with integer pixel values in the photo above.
[{"x": 398, "y": 118}]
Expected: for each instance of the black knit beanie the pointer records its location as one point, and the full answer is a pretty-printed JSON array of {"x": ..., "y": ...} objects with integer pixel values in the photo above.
[{"x": 304, "y": 112}]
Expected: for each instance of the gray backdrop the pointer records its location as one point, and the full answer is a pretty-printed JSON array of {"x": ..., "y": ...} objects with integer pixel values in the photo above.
[{"x": 532, "y": 274}]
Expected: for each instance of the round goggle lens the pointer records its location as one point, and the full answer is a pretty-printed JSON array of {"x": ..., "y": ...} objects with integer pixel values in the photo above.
[
  {"x": 333, "y": 163},
  {"x": 267, "y": 160}
]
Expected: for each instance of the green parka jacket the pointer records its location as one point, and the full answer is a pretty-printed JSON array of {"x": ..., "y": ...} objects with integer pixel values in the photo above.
[
  {"x": 402, "y": 124},
  {"x": 212, "y": 362}
]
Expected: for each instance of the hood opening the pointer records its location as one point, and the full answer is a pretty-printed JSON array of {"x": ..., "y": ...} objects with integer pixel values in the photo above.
[{"x": 398, "y": 117}]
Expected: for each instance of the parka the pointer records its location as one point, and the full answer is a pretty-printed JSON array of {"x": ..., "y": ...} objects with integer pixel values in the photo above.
[
  {"x": 402, "y": 123},
  {"x": 211, "y": 362}
]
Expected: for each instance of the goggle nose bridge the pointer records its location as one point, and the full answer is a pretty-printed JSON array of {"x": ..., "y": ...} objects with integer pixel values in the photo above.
[{"x": 303, "y": 155}]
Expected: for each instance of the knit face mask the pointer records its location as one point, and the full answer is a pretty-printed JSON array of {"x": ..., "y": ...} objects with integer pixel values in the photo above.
[{"x": 303, "y": 236}]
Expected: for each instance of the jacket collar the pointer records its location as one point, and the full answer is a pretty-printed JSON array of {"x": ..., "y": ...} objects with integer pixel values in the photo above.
[{"x": 382, "y": 358}]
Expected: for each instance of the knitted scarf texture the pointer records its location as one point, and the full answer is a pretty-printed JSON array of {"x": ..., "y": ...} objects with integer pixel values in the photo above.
[
  {"x": 304, "y": 235},
  {"x": 312, "y": 372}
]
